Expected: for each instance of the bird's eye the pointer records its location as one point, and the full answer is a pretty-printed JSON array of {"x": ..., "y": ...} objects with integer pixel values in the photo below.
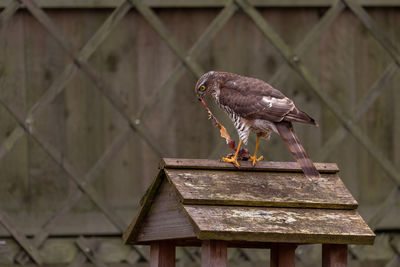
[{"x": 202, "y": 88}]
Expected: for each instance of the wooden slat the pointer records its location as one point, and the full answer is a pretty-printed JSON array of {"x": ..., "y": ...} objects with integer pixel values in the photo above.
[
  {"x": 366, "y": 102},
  {"x": 78, "y": 260},
  {"x": 81, "y": 62},
  {"x": 74, "y": 198},
  {"x": 334, "y": 255},
  {"x": 199, "y": 3},
  {"x": 394, "y": 52},
  {"x": 74, "y": 174},
  {"x": 312, "y": 36},
  {"x": 132, "y": 231},
  {"x": 165, "y": 219},
  {"x": 288, "y": 225},
  {"x": 379, "y": 35},
  {"x": 10, "y": 8},
  {"x": 162, "y": 254},
  {"x": 273, "y": 189},
  {"x": 10, "y": 141},
  {"x": 61, "y": 251},
  {"x": 99, "y": 83},
  {"x": 59, "y": 84},
  {"x": 213, "y": 253},
  {"x": 21, "y": 239},
  {"x": 209, "y": 164},
  {"x": 283, "y": 255},
  {"x": 211, "y": 31},
  {"x": 88, "y": 247},
  {"x": 160, "y": 28},
  {"x": 39, "y": 14},
  {"x": 383, "y": 209}
]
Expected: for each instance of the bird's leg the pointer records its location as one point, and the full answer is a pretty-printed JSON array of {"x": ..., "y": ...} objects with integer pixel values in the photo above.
[
  {"x": 254, "y": 158},
  {"x": 234, "y": 158}
]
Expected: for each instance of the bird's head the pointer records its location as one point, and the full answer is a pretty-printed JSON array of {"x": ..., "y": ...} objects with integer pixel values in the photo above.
[{"x": 207, "y": 84}]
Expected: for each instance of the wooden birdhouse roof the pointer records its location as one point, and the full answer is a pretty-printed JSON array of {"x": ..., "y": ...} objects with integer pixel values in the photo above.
[{"x": 192, "y": 200}]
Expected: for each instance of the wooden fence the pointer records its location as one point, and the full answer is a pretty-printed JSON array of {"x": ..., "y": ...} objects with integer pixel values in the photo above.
[{"x": 93, "y": 93}]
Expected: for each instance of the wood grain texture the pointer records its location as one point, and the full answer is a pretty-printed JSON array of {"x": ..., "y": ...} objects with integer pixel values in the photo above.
[
  {"x": 283, "y": 255},
  {"x": 334, "y": 255},
  {"x": 162, "y": 254},
  {"x": 133, "y": 229},
  {"x": 165, "y": 219},
  {"x": 275, "y": 189},
  {"x": 213, "y": 253},
  {"x": 244, "y": 165},
  {"x": 279, "y": 225}
]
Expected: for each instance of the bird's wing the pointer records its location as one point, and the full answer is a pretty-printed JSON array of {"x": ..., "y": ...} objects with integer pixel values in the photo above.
[{"x": 255, "y": 99}]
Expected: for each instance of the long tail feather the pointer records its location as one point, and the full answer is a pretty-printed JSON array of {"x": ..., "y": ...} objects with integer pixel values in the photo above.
[{"x": 288, "y": 135}]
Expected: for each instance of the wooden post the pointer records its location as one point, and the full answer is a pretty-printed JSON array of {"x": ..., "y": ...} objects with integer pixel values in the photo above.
[
  {"x": 282, "y": 255},
  {"x": 334, "y": 255},
  {"x": 213, "y": 253},
  {"x": 162, "y": 254}
]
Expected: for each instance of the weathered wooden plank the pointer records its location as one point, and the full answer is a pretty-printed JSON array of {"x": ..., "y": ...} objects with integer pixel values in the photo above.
[
  {"x": 132, "y": 231},
  {"x": 165, "y": 219},
  {"x": 213, "y": 253},
  {"x": 162, "y": 254},
  {"x": 198, "y": 3},
  {"x": 288, "y": 225},
  {"x": 171, "y": 163},
  {"x": 334, "y": 255},
  {"x": 260, "y": 189}
]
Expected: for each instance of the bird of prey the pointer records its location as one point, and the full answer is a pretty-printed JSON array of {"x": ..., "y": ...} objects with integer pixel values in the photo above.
[{"x": 255, "y": 106}]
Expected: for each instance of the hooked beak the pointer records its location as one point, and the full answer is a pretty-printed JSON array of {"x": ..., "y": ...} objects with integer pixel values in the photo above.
[{"x": 199, "y": 95}]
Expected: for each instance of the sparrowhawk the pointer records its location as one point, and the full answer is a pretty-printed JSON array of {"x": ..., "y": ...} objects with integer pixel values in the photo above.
[{"x": 255, "y": 106}]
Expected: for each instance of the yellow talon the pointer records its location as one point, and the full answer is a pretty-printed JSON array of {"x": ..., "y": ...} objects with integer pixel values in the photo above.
[
  {"x": 255, "y": 159},
  {"x": 232, "y": 160}
]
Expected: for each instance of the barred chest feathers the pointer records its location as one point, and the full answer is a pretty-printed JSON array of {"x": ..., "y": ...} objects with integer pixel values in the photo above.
[{"x": 243, "y": 126}]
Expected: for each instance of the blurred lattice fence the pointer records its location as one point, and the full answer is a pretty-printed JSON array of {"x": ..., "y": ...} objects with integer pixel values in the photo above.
[{"x": 94, "y": 92}]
